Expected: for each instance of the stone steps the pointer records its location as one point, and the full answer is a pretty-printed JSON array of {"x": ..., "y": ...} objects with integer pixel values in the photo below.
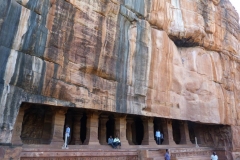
[
  {"x": 42, "y": 152},
  {"x": 75, "y": 154},
  {"x": 156, "y": 154}
]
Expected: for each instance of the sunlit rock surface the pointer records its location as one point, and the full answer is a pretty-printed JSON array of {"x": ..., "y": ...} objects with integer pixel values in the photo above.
[{"x": 165, "y": 58}]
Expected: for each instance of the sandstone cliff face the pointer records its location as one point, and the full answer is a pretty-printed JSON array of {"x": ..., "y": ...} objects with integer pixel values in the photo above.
[{"x": 170, "y": 58}]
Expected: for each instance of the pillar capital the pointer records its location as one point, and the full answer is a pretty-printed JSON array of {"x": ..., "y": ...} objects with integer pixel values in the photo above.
[
  {"x": 147, "y": 119},
  {"x": 92, "y": 114},
  {"x": 59, "y": 110},
  {"x": 130, "y": 119},
  {"x": 104, "y": 117},
  {"x": 117, "y": 116},
  {"x": 169, "y": 121}
]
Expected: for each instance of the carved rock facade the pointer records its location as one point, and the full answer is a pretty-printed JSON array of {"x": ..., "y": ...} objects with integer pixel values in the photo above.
[{"x": 169, "y": 58}]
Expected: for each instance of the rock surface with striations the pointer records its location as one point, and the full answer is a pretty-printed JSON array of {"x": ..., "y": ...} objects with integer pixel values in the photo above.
[{"x": 164, "y": 58}]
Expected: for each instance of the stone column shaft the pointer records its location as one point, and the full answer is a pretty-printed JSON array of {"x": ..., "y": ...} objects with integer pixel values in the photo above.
[
  {"x": 148, "y": 138},
  {"x": 103, "y": 130},
  {"x": 120, "y": 129},
  {"x": 185, "y": 139},
  {"x": 167, "y": 132},
  {"x": 58, "y": 126},
  {"x": 17, "y": 130},
  {"x": 92, "y": 129}
]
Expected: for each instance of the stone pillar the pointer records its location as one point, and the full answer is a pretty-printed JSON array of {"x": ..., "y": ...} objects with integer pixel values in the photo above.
[
  {"x": 17, "y": 130},
  {"x": 185, "y": 139},
  {"x": 92, "y": 129},
  {"x": 76, "y": 129},
  {"x": 120, "y": 129},
  {"x": 129, "y": 131},
  {"x": 58, "y": 125},
  {"x": 103, "y": 129},
  {"x": 148, "y": 138},
  {"x": 167, "y": 132}
]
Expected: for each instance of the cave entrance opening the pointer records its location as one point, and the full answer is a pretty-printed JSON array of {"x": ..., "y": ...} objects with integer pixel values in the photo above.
[
  {"x": 139, "y": 131},
  {"x": 191, "y": 132},
  {"x": 110, "y": 125},
  {"x": 157, "y": 125},
  {"x": 45, "y": 124},
  {"x": 176, "y": 131},
  {"x": 37, "y": 125}
]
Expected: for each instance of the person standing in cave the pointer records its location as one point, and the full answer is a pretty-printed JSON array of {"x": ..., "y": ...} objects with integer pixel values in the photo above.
[
  {"x": 158, "y": 135},
  {"x": 67, "y": 137},
  {"x": 214, "y": 156}
]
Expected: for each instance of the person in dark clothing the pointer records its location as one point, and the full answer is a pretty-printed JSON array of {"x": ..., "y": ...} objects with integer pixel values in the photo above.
[
  {"x": 167, "y": 155},
  {"x": 110, "y": 141}
]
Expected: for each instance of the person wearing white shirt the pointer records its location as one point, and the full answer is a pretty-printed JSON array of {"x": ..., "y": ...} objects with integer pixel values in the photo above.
[
  {"x": 116, "y": 142},
  {"x": 214, "y": 156},
  {"x": 158, "y": 135},
  {"x": 67, "y": 137}
]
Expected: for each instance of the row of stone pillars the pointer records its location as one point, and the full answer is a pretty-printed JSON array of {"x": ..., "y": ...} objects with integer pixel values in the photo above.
[{"x": 123, "y": 128}]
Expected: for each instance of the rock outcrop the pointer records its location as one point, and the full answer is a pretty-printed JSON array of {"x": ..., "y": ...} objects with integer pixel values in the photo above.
[{"x": 165, "y": 58}]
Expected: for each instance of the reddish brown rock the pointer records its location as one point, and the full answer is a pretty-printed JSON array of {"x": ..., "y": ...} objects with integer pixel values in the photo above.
[{"x": 173, "y": 59}]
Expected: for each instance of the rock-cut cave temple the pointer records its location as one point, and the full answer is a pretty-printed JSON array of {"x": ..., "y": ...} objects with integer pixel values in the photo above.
[{"x": 124, "y": 68}]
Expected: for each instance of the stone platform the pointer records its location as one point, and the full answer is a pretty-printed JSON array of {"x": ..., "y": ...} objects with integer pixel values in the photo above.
[{"x": 81, "y": 152}]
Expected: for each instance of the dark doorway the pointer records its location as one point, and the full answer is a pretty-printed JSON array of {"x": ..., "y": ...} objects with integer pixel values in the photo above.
[
  {"x": 110, "y": 125},
  {"x": 191, "y": 131},
  {"x": 69, "y": 123},
  {"x": 157, "y": 126},
  {"x": 176, "y": 131},
  {"x": 83, "y": 129},
  {"x": 37, "y": 125},
  {"x": 139, "y": 130}
]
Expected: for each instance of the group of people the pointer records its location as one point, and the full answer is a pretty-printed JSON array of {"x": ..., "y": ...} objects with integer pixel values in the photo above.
[
  {"x": 159, "y": 137},
  {"x": 114, "y": 142},
  {"x": 167, "y": 156}
]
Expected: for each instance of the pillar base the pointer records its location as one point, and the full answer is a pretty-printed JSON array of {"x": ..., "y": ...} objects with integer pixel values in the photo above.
[
  {"x": 151, "y": 143},
  {"x": 94, "y": 143},
  {"x": 17, "y": 142},
  {"x": 124, "y": 143},
  {"x": 57, "y": 142},
  {"x": 77, "y": 142}
]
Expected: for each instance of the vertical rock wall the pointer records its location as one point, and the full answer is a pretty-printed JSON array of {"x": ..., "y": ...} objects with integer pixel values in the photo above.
[{"x": 170, "y": 58}]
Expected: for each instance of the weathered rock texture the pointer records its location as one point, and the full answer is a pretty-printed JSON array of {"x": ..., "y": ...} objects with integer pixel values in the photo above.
[{"x": 165, "y": 58}]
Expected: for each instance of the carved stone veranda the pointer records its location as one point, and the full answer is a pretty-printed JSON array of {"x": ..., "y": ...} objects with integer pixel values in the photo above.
[{"x": 175, "y": 59}]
